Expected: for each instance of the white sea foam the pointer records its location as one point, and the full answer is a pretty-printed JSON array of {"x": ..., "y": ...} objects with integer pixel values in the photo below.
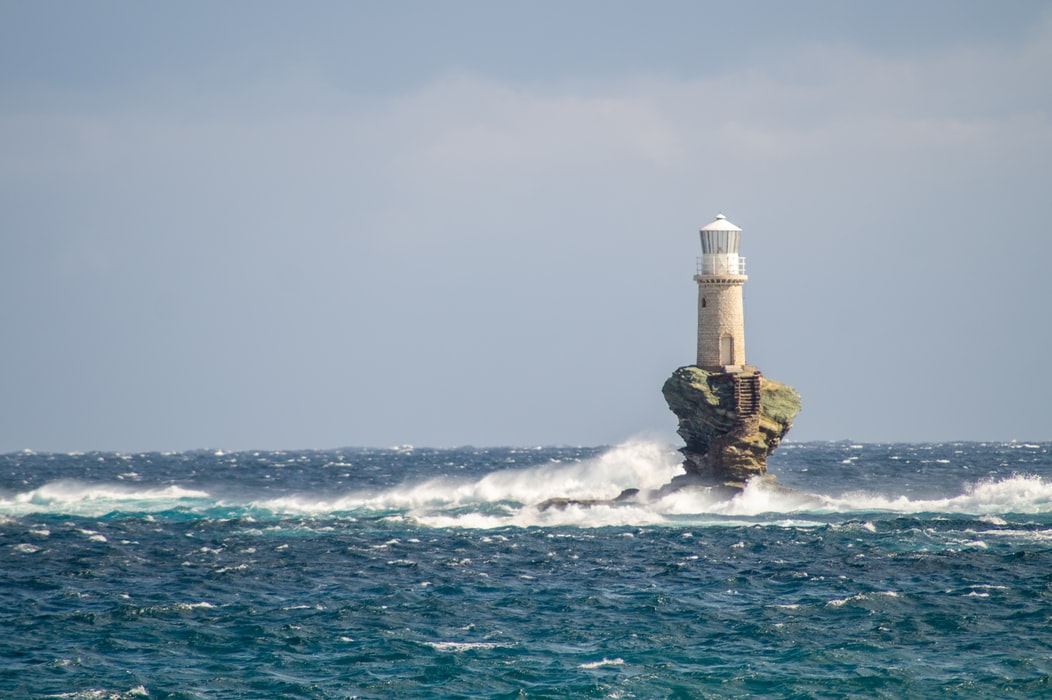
[
  {"x": 192, "y": 606},
  {"x": 97, "y": 694},
  {"x": 461, "y": 646},
  {"x": 1024, "y": 494},
  {"x": 756, "y": 498},
  {"x": 509, "y": 497},
  {"x": 94, "y": 536},
  {"x": 603, "y": 663},
  {"x": 92, "y": 499},
  {"x": 989, "y": 498},
  {"x": 861, "y": 597},
  {"x": 705, "y": 507},
  {"x": 531, "y": 516},
  {"x": 637, "y": 464}
]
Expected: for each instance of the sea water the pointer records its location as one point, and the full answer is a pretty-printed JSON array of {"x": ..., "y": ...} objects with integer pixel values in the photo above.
[{"x": 894, "y": 570}]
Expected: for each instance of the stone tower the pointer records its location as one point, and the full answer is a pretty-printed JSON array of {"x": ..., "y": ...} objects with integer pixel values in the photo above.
[
  {"x": 721, "y": 319},
  {"x": 731, "y": 417}
]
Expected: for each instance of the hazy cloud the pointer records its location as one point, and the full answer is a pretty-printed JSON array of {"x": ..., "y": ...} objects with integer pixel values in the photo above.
[{"x": 290, "y": 262}]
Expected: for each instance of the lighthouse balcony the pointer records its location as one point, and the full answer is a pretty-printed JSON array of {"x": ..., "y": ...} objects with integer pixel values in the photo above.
[{"x": 721, "y": 265}]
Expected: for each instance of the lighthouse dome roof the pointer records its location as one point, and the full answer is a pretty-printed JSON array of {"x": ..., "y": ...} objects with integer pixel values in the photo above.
[{"x": 720, "y": 224}]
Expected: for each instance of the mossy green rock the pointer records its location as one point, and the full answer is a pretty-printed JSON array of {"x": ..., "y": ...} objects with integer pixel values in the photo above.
[{"x": 721, "y": 449}]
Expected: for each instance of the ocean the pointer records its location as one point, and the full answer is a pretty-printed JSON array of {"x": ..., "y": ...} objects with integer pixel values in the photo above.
[{"x": 895, "y": 571}]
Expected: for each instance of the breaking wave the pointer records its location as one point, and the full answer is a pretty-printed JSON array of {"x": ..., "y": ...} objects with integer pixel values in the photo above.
[
  {"x": 509, "y": 497},
  {"x": 71, "y": 497}
]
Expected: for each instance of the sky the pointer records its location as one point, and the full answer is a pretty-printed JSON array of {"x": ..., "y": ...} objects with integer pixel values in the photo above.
[{"x": 269, "y": 225}]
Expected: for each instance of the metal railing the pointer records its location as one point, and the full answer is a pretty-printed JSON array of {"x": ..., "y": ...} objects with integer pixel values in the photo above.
[{"x": 720, "y": 267}]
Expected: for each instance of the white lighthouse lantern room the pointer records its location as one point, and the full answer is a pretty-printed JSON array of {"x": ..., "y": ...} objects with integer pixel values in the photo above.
[{"x": 721, "y": 318}]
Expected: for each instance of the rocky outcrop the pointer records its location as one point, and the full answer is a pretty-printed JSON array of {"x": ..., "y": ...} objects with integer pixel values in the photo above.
[
  {"x": 726, "y": 445},
  {"x": 730, "y": 422}
]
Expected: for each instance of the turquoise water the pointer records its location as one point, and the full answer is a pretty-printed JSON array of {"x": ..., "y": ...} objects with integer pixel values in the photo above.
[{"x": 900, "y": 571}]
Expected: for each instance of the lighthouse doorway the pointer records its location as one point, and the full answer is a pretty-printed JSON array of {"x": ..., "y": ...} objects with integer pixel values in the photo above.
[{"x": 726, "y": 350}]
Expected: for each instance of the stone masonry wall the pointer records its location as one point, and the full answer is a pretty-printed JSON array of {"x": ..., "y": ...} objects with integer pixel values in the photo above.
[{"x": 720, "y": 312}]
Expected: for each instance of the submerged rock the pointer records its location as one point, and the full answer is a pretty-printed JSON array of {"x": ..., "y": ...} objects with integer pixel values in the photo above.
[
  {"x": 626, "y": 496},
  {"x": 728, "y": 437}
]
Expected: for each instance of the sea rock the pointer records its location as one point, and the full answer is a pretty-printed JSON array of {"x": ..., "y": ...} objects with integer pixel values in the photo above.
[
  {"x": 726, "y": 446},
  {"x": 628, "y": 495},
  {"x": 723, "y": 448}
]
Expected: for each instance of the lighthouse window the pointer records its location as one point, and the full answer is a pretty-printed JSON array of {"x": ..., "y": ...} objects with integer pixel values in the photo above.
[{"x": 703, "y": 303}]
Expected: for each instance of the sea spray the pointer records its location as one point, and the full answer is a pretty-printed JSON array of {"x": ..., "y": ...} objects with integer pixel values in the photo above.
[
  {"x": 509, "y": 496},
  {"x": 630, "y": 465}
]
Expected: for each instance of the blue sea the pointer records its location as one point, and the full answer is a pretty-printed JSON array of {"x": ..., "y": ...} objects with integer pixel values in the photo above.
[{"x": 894, "y": 571}]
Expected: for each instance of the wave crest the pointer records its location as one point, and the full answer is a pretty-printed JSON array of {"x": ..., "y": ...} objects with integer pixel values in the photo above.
[
  {"x": 509, "y": 497},
  {"x": 73, "y": 497},
  {"x": 636, "y": 464},
  {"x": 1024, "y": 494}
]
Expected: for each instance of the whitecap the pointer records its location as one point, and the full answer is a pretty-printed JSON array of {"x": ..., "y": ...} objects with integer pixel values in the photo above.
[
  {"x": 94, "y": 499},
  {"x": 192, "y": 606},
  {"x": 603, "y": 663},
  {"x": 1029, "y": 494},
  {"x": 635, "y": 464},
  {"x": 138, "y": 691},
  {"x": 859, "y": 597},
  {"x": 461, "y": 646}
]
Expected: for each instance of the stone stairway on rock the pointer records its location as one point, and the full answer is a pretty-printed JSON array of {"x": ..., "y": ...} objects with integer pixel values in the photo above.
[{"x": 747, "y": 400}]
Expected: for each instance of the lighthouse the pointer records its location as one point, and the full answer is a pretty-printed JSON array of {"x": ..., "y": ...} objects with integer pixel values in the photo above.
[
  {"x": 721, "y": 318},
  {"x": 730, "y": 415}
]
